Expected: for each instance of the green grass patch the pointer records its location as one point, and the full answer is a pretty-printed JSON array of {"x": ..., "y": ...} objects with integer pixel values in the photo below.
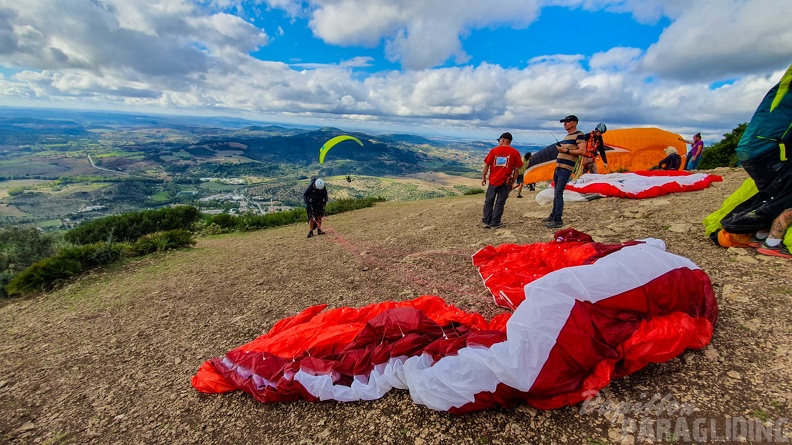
[
  {"x": 111, "y": 154},
  {"x": 48, "y": 224},
  {"x": 160, "y": 196},
  {"x": 761, "y": 415},
  {"x": 218, "y": 187}
]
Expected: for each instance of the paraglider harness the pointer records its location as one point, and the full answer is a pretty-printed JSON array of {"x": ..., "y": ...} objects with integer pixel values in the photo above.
[{"x": 592, "y": 146}]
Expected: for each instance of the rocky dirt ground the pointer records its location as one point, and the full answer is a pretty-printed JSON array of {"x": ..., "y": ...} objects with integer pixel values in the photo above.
[{"x": 109, "y": 358}]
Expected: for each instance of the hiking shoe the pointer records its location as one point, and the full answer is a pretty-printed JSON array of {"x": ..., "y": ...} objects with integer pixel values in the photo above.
[
  {"x": 320, "y": 232},
  {"x": 554, "y": 224},
  {"x": 756, "y": 242},
  {"x": 519, "y": 195},
  {"x": 780, "y": 250},
  {"x": 310, "y": 234},
  {"x": 548, "y": 219}
]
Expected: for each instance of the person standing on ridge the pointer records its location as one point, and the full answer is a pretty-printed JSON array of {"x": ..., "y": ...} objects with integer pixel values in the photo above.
[
  {"x": 500, "y": 167},
  {"x": 594, "y": 146},
  {"x": 572, "y": 146},
  {"x": 315, "y": 198},
  {"x": 694, "y": 156},
  {"x": 518, "y": 184},
  {"x": 531, "y": 186}
]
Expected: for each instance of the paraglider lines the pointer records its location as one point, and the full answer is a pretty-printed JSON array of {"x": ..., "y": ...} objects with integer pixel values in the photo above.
[{"x": 397, "y": 270}]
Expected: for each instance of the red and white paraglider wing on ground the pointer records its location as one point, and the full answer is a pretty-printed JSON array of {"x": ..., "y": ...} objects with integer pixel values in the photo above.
[
  {"x": 642, "y": 184},
  {"x": 595, "y": 312}
]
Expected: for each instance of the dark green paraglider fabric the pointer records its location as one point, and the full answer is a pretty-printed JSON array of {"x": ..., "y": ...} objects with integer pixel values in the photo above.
[
  {"x": 771, "y": 124},
  {"x": 762, "y": 152}
]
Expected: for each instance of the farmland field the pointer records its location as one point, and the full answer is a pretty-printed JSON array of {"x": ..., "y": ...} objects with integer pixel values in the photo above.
[{"x": 6, "y": 210}]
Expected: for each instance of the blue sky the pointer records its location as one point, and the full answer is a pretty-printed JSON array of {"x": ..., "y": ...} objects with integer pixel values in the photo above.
[
  {"x": 504, "y": 46},
  {"x": 466, "y": 68}
]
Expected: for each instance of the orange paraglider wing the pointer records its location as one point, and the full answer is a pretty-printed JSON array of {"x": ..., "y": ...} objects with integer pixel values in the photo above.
[
  {"x": 638, "y": 149},
  {"x": 628, "y": 149}
]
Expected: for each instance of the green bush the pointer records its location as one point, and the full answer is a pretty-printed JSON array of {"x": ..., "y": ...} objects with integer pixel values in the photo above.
[
  {"x": 43, "y": 275},
  {"x": 161, "y": 241},
  {"x": 20, "y": 247},
  {"x": 250, "y": 222},
  {"x": 347, "y": 205},
  {"x": 222, "y": 220},
  {"x": 474, "y": 191},
  {"x": 128, "y": 227},
  {"x": 93, "y": 255},
  {"x": 212, "y": 229},
  {"x": 70, "y": 261}
]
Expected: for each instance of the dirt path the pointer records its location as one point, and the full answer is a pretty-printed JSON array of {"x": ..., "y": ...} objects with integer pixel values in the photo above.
[{"x": 109, "y": 358}]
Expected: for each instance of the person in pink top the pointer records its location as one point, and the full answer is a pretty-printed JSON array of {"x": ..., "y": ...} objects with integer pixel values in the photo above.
[
  {"x": 501, "y": 167},
  {"x": 694, "y": 156}
]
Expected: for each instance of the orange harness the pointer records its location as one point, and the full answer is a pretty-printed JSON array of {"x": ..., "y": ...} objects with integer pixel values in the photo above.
[{"x": 592, "y": 146}]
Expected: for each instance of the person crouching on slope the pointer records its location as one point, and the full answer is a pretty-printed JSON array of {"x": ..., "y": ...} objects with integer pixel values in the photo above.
[
  {"x": 315, "y": 198},
  {"x": 672, "y": 161},
  {"x": 501, "y": 164}
]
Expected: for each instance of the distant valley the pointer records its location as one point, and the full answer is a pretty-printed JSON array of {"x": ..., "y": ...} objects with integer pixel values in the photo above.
[{"x": 60, "y": 167}]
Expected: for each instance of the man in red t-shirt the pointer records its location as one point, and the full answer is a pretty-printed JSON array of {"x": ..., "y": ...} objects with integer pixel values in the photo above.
[{"x": 501, "y": 164}]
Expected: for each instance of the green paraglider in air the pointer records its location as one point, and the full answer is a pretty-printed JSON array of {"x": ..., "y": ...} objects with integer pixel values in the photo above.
[{"x": 332, "y": 142}]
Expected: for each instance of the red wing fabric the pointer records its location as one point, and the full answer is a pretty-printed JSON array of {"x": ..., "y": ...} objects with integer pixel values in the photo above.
[
  {"x": 642, "y": 184},
  {"x": 584, "y": 313}
]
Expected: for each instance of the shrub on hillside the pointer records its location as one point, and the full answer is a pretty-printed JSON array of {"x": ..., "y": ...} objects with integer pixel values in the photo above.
[
  {"x": 21, "y": 247},
  {"x": 248, "y": 222},
  {"x": 222, "y": 220},
  {"x": 70, "y": 261},
  {"x": 162, "y": 241},
  {"x": 128, "y": 227},
  {"x": 347, "y": 205},
  {"x": 16, "y": 191},
  {"x": 93, "y": 255},
  {"x": 474, "y": 191},
  {"x": 43, "y": 275}
]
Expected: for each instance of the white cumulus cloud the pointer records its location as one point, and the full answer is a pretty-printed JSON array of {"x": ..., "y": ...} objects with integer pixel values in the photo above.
[{"x": 707, "y": 72}]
